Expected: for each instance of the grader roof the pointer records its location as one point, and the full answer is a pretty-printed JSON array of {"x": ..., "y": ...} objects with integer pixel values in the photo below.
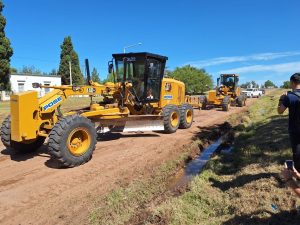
[{"x": 141, "y": 54}]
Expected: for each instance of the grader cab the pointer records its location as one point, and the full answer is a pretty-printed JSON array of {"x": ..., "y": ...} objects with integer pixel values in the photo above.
[
  {"x": 226, "y": 94},
  {"x": 140, "y": 99}
]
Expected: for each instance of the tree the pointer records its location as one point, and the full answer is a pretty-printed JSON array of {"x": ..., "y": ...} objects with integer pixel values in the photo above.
[
  {"x": 30, "y": 70},
  {"x": 13, "y": 70},
  {"x": 251, "y": 84},
  {"x": 254, "y": 84},
  {"x": 286, "y": 85},
  {"x": 196, "y": 80},
  {"x": 109, "y": 78},
  {"x": 67, "y": 55},
  {"x": 246, "y": 85},
  {"x": 53, "y": 72},
  {"x": 269, "y": 84},
  {"x": 95, "y": 76},
  {"x": 5, "y": 53}
]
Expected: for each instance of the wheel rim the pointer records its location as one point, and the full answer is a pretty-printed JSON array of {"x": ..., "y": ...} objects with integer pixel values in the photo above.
[
  {"x": 189, "y": 116},
  {"x": 79, "y": 141},
  {"x": 174, "y": 119}
]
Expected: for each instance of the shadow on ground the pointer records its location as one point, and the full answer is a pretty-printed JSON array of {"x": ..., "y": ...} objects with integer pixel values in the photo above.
[
  {"x": 19, "y": 156},
  {"x": 115, "y": 136},
  {"x": 269, "y": 218},
  {"x": 242, "y": 180}
]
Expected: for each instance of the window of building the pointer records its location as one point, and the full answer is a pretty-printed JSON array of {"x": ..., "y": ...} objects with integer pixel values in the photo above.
[
  {"x": 46, "y": 88},
  {"x": 20, "y": 87}
]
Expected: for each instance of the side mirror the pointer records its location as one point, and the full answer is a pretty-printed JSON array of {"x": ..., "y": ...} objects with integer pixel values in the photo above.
[
  {"x": 110, "y": 67},
  {"x": 218, "y": 81}
]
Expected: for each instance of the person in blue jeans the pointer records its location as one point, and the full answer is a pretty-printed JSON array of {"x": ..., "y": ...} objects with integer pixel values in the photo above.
[{"x": 291, "y": 100}]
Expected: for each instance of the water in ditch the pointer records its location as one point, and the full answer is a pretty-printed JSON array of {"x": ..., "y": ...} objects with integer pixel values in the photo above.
[{"x": 195, "y": 166}]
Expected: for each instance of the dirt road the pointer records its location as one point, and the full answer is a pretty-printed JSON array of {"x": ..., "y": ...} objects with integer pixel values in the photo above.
[{"x": 34, "y": 190}]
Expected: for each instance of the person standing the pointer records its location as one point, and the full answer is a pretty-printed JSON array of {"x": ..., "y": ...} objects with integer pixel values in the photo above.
[{"x": 291, "y": 100}]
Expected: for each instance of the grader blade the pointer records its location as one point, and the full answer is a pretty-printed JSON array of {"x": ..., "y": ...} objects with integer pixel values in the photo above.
[{"x": 132, "y": 124}]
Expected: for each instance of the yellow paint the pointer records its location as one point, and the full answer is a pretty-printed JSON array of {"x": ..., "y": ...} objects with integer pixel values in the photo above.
[
  {"x": 189, "y": 116},
  {"x": 32, "y": 116},
  {"x": 95, "y": 107},
  {"x": 174, "y": 119},
  {"x": 79, "y": 141},
  {"x": 172, "y": 92},
  {"x": 24, "y": 116}
]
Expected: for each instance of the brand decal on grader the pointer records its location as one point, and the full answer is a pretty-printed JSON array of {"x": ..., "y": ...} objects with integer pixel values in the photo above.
[
  {"x": 168, "y": 97},
  {"x": 54, "y": 102}
]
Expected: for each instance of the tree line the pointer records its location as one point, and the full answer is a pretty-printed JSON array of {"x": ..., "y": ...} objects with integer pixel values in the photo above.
[{"x": 253, "y": 84}]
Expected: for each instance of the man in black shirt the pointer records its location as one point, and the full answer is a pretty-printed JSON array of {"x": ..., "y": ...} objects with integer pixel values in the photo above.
[{"x": 291, "y": 100}]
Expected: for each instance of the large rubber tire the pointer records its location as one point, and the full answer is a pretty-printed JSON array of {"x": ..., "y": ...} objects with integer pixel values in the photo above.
[
  {"x": 5, "y": 132},
  {"x": 203, "y": 101},
  {"x": 186, "y": 116},
  {"x": 226, "y": 103},
  {"x": 26, "y": 147},
  {"x": 171, "y": 121},
  {"x": 65, "y": 142},
  {"x": 239, "y": 101}
]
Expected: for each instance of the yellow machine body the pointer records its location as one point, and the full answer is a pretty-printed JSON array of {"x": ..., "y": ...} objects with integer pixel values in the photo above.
[
  {"x": 172, "y": 92},
  {"x": 231, "y": 89},
  {"x": 32, "y": 117},
  {"x": 24, "y": 116}
]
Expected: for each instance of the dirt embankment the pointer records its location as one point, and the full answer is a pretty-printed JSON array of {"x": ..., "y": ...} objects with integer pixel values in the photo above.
[{"x": 34, "y": 190}]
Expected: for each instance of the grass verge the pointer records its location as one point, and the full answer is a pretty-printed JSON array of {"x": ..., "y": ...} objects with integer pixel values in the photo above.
[
  {"x": 132, "y": 204},
  {"x": 243, "y": 187}
]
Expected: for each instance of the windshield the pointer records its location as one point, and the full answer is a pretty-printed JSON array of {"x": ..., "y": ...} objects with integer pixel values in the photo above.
[
  {"x": 249, "y": 89},
  {"x": 227, "y": 81},
  {"x": 134, "y": 72}
]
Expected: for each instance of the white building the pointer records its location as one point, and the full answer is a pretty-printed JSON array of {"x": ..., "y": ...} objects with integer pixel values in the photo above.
[{"x": 23, "y": 82}]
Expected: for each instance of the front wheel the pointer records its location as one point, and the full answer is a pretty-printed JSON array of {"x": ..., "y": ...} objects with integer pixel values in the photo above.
[
  {"x": 186, "y": 116},
  {"x": 22, "y": 147},
  {"x": 72, "y": 140},
  {"x": 171, "y": 116},
  {"x": 226, "y": 103}
]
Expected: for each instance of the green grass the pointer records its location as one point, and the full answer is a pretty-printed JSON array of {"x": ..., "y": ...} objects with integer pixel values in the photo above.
[
  {"x": 120, "y": 205},
  {"x": 4, "y": 110},
  {"x": 240, "y": 188}
]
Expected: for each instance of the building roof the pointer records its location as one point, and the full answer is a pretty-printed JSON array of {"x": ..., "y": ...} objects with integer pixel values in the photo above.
[{"x": 35, "y": 75}]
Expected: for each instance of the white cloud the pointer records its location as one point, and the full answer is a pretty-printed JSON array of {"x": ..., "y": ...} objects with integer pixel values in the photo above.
[
  {"x": 290, "y": 67},
  {"x": 232, "y": 59}
]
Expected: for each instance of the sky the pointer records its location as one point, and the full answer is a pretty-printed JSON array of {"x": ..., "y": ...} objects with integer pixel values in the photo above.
[{"x": 258, "y": 39}]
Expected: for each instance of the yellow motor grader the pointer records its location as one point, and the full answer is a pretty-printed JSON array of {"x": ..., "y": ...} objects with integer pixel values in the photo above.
[
  {"x": 140, "y": 99},
  {"x": 226, "y": 94}
]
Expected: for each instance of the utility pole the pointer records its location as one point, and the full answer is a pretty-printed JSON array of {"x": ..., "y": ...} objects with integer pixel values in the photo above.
[{"x": 70, "y": 69}]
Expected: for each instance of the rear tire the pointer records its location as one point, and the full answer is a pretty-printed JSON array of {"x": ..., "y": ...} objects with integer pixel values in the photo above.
[
  {"x": 72, "y": 140},
  {"x": 186, "y": 116},
  {"x": 203, "y": 101},
  {"x": 171, "y": 121},
  {"x": 21, "y": 147},
  {"x": 5, "y": 132},
  {"x": 239, "y": 101},
  {"x": 226, "y": 103}
]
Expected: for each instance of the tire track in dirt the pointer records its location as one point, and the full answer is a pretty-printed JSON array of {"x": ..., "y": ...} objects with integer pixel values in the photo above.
[{"x": 34, "y": 191}]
